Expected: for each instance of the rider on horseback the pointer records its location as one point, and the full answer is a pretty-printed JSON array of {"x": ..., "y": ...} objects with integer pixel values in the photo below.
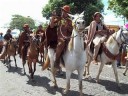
[
  {"x": 97, "y": 34},
  {"x": 24, "y": 39},
  {"x": 64, "y": 31},
  {"x": 7, "y": 37}
]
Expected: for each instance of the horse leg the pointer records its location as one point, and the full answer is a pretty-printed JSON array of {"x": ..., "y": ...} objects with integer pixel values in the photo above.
[
  {"x": 68, "y": 75},
  {"x": 80, "y": 75},
  {"x": 54, "y": 70},
  {"x": 87, "y": 67},
  {"x": 15, "y": 61},
  {"x": 126, "y": 68},
  {"x": 8, "y": 60},
  {"x": 115, "y": 72},
  {"x": 34, "y": 69},
  {"x": 100, "y": 70},
  {"x": 29, "y": 66},
  {"x": 23, "y": 66}
]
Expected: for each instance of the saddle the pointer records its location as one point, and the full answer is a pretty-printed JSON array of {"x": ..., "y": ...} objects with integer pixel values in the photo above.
[{"x": 92, "y": 48}]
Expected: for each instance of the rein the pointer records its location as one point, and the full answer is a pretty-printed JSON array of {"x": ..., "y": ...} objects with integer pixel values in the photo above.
[
  {"x": 66, "y": 37},
  {"x": 116, "y": 40}
]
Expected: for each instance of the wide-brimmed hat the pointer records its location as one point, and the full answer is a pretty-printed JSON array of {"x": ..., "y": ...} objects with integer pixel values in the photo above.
[
  {"x": 96, "y": 14},
  {"x": 66, "y": 8},
  {"x": 25, "y": 26}
]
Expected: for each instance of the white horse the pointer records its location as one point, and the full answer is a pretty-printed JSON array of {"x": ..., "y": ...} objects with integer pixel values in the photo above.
[
  {"x": 109, "y": 53},
  {"x": 75, "y": 55}
]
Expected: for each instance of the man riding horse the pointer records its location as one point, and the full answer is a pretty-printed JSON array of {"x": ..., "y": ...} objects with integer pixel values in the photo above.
[
  {"x": 97, "y": 34},
  {"x": 24, "y": 40},
  {"x": 40, "y": 32},
  {"x": 7, "y": 37},
  {"x": 64, "y": 31}
]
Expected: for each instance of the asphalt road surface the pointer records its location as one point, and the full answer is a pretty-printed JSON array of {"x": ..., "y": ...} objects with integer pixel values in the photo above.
[{"x": 14, "y": 83}]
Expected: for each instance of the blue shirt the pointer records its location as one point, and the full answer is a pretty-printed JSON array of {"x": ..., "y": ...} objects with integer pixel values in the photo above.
[{"x": 1, "y": 38}]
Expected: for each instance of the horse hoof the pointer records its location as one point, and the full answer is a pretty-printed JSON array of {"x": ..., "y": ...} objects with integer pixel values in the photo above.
[
  {"x": 55, "y": 87},
  {"x": 124, "y": 74},
  {"x": 24, "y": 73},
  {"x": 65, "y": 91}
]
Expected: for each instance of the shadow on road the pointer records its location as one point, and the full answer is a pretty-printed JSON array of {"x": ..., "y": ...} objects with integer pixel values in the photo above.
[
  {"x": 44, "y": 82},
  {"x": 112, "y": 86},
  {"x": 13, "y": 69}
]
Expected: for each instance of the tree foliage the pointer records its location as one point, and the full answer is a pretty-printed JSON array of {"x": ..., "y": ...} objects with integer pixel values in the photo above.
[
  {"x": 120, "y": 7},
  {"x": 77, "y": 6},
  {"x": 18, "y": 21}
]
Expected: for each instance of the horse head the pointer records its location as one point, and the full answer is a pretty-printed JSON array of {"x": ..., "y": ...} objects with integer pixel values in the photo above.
[
  {"x": 78, "y": 31},
  {"x": 33, "y": 40},
  {"x": 78, "y": 21},
  {"x": 122, "y": 35}
]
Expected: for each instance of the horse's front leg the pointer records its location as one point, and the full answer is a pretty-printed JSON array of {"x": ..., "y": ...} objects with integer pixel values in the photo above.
[
  {"x": 15, "y": 61},
  {"x": 116, "y": 73},
  {"x": 34, "y": 69},
  {"x": 8, "y": 60},
  {"x": 68, "y": 75},
  {"x": 23, "y": 63},
  {"x": 80, "y": 75}
]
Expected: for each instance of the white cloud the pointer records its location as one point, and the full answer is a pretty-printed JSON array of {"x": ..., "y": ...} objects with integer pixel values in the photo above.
[{"x": 26, "y": 8}]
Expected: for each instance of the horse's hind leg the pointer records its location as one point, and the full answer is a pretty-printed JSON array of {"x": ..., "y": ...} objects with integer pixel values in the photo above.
[
  {"x": 68, "y": 75},
  {"x": 86, "y": 72},
  {"x": 80, "y": 74},
  {"x": 100, "y": 70},
  {"x": 115, "y": 72},
  {"x": 15, "y": 61},
  {"x": 126, "y": 68}
]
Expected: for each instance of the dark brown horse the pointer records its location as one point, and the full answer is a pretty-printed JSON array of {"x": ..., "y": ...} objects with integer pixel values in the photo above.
[{"x": 32, "y": 55}]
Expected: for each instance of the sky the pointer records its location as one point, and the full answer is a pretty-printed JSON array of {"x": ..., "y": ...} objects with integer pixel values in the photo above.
[
  {"x": 110, "y": 18},
  {"x": 33, "y": 9}
]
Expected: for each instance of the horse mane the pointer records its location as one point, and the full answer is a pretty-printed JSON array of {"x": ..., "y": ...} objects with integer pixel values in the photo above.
[
  {"x": 110, "y": 39},
  {"x": 70, "y": 44}
]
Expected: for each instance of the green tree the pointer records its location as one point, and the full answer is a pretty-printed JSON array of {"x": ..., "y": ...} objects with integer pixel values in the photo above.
[
  {"x": 18, "y": 21},
  {"x": 77, "y": 6},
  {"x": 120, "y": 7}
]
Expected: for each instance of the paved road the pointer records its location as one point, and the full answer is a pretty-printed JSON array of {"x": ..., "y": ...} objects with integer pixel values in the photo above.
[{"x": 14, "y": 83}]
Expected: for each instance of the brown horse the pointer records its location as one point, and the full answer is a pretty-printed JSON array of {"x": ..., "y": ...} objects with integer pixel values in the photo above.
[
  {"x": 11, "y": 51},
  {"x": 32, "y": 55},
  {"x": 41, "y": 43}
]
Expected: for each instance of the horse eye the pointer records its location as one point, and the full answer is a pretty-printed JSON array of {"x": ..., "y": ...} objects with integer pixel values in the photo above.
[
  {"x": 78, "y": 22},
  {"x": 72, "y": 18}
]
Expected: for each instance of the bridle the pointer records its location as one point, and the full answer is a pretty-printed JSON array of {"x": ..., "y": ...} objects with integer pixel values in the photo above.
[
  {"x": 80, "y": 31},
  {"x": 125, "y": 38}
]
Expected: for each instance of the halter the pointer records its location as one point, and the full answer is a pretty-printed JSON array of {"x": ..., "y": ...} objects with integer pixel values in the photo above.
[
  {"x": 66, "y": 37},
  {"x": 116, "y": 40}
]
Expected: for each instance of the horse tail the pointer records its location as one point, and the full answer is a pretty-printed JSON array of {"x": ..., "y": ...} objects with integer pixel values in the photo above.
[{"x": 46, "y": 64}]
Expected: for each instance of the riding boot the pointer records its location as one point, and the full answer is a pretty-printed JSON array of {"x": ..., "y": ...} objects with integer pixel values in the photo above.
[{"x": 59, "y": 50}]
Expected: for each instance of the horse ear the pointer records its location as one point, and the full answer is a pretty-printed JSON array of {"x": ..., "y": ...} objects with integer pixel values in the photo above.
[
  {"x": 81, "y": 14},
  {"x": 71, "y": 16}
]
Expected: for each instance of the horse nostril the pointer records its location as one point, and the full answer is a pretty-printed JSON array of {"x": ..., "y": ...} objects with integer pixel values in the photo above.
[{"x": 83, "y": 22}]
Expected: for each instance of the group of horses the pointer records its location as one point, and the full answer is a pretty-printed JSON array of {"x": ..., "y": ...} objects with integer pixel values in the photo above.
[{"x": 76, "y": 56}]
